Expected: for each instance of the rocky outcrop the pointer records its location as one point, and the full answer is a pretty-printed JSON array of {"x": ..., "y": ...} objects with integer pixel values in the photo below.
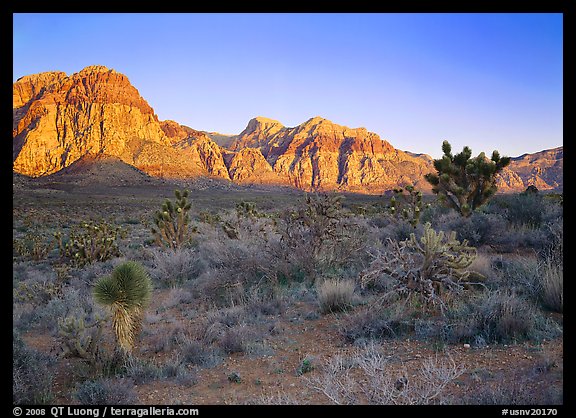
[
  {"x": 94, "y": 111},
  {"x": 59, "y": 119},
  {"x": 249, "y": 166},
  {"x": 542, "y": 169},
  {"x": 321, "y": 155}
]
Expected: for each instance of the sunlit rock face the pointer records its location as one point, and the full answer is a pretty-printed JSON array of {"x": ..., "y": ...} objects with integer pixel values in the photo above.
[
  {"x": 542, "y": 169},
  {"x": 58, "y": 119},
  {"x": 321, "y": 155}
]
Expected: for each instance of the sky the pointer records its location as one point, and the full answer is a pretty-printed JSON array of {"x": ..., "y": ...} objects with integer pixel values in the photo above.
[{"x": 484, "y": 80}]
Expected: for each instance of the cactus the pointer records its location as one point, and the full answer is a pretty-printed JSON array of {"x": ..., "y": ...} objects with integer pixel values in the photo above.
[
  {"x": 428, "y": 266},
  {"x": 94, "y": 241},
  {"x": 80, "y": 340},
  {"x": 247, "y": 210},
  {"x": 126, "y": 292},
  {"x": 34, "y": 245},
  {"x": 171, "y": 222},
  {"x": 408, "y": 205},
  {"x": 465, "y": 183}
]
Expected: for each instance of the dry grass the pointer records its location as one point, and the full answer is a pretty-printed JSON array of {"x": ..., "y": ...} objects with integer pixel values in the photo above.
[
  {"x": 335, "y": 295},
  {"x": 551, "y": 281}
]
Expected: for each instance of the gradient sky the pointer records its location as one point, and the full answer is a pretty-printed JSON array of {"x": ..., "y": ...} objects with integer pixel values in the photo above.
[{"x": 489, "y": 81}]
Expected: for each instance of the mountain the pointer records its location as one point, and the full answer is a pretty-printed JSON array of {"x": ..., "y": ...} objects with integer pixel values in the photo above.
[
  {"x": 542, "y": 169},
  {"x": 57, "y": 119},
  {"x": 321, "y": 155},
  {"x": 60, "y": 119}
]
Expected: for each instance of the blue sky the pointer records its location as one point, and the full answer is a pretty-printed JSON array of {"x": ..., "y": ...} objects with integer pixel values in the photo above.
[{"x": 489, "y": 81}]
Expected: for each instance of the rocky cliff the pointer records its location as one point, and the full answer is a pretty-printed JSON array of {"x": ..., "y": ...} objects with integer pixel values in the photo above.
[
  {"x": 59, "y": 119},
  {"x": 321, "y": 155},
  {"x": 542, "y": 169}
]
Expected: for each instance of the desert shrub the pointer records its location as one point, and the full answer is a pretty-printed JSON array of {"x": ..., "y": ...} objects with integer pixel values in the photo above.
[
  {"x": 233, "y": 340},
  {"x": 198, "y": 353},
  {"x": 31, "y": 374},
  {"x": 106, "y": 392},
  {"x": 72, "y": 302},
  {"x": 126, "y": 292},
  {"x": 335, "y": 295},
  {"x": 521, "y": 390},
  {"x": 177, "y": 370},
  {"x": 231, "y": 267},
  {"x": 407, "y": 204},
  {"x": 434, "y": 211},
  {"x": 162, "y": 338},
  {"x": 264, "y": 303},
  {"x": 498, "y": 317},
  {"x": 478, "y": 229},
  {"x": 524, "y": 209},
  {"x": 434, "y": 264},
  {"x": 551, "y": 283},
  {"x": 173, "y": 268},
  {"x": 377, "y": 322},
  {"x": 279, "y": 398},
  {"x": 90, "y": 242},
  {"x": 141, "y": 371},
  {"x": 539, "y": 279},
  {"x": 367, "y": 377}
]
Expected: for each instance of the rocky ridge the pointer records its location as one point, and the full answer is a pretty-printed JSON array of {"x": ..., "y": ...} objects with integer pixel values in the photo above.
[{"x": 59, "y": 119}]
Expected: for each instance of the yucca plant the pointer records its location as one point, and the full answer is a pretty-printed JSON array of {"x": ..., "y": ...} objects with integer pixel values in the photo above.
[{"x": 126, "y": 292}]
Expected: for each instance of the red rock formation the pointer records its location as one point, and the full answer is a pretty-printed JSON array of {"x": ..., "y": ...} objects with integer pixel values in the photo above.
[{"x": 58, "y": 119}]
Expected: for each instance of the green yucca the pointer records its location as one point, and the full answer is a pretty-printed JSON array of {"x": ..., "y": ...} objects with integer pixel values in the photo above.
[{"x": 126, "y": 292}]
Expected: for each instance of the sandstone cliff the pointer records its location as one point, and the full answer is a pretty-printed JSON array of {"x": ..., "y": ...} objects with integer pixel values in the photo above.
[
  {"x": 321, "y": 155},
  {"x": 542, "y": 169},
  {"x": 59, "y": 119}
]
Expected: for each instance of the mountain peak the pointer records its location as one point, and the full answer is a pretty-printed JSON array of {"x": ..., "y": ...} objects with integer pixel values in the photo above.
[
  {"x": 262, "y": 125},
  {"x": 316, "y": 120},
  {"x": 96, "y": 69}
]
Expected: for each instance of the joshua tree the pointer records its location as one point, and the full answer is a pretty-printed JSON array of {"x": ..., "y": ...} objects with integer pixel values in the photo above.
[
  {"x": 408, "y": 205},
  {"x": 172, "y": 222},
  {"x": 126, "y": 292},
  {"x": 465, "y": 183}
]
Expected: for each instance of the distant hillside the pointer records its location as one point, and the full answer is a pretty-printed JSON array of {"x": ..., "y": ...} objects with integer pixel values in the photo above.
[
  {"x": 59, "y": 120},
  {"x": 542, "y": 169}
]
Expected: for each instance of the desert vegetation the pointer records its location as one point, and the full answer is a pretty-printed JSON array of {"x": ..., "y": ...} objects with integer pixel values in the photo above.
[{"x": 258, "y": 298}]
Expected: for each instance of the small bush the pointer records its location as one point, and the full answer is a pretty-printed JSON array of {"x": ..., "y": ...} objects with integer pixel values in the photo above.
[
  {"x": 522, "y": 390},
  {"x": 478, "y": 229},
  {"x": 199, "y": 354},
  {"x": 31, "y": 376},
  {"x": 106, "y": 392},
  {"x": 551, "y": 281},
  {"x": 173, "y": 268},
  {"x": 498, "y": 317},
  {"x": 233, "y": 341},
  {"x": 525, "y": 209},
  {"x": 335, "y": 295},
  {"x": 376, "y": 323}
]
